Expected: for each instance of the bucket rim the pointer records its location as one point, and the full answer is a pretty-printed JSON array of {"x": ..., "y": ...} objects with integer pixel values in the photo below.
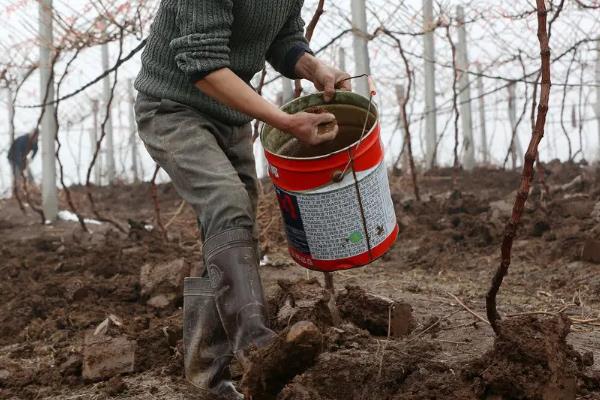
[{"x": 374, "y": 110}]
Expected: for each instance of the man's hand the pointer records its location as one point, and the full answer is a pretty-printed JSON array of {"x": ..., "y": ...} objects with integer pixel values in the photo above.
[
  {"x": 325, "y": 78},
  {"x": 305, "y": 127}
]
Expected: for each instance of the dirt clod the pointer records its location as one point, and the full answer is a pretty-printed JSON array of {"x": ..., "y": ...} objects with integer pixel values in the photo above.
[
  {"x": 115, "y": 386},
  {"x": 375, "y": 313},
  {"x": 71, "y": 366},
  {"x": 591, "y": 251},
  {"x": 372, "y": 371},
  {"x": 531, "y": 360},
  {"x": 302, "y": 300},
  {"x": 164, "y": 280},
  {"x": 268, "y": 369},
  {"x": 106, "y": 356}
]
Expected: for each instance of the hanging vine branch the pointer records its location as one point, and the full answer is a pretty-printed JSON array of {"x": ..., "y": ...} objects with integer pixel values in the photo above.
[
  {"x": 404, "y": 113},
  {"x": 456, "y": 164},
  {"x": 99, "y": 144},
  {"x": 527, "y": 175},
  {"x": 66, "y": 190}
]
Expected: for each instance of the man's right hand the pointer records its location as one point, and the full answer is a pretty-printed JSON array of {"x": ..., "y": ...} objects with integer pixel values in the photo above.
[{"x": 305, "y": 127}]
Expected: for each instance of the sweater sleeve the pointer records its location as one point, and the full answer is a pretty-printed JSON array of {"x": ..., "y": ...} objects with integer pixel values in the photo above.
[
  {"x": 289, "y": 45},
  {"x": 205, "y": 29}
]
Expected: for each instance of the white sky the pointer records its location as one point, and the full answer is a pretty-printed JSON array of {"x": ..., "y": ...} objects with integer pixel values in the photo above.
[{"x": 493, "y": 39}]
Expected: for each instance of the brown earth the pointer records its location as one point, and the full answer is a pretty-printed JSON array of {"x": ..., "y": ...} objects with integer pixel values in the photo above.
[{"x": 59, "y": 283}]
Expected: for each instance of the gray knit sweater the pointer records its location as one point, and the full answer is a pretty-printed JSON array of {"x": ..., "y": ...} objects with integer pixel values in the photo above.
[{"x": 191, "y": 38}]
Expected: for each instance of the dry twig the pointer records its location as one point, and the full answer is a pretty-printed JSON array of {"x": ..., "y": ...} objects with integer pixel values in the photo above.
[
  {"x": 473, "y": 313},
  {"x": 177, "y": 214},
  {"x": 404, "y": 114}
]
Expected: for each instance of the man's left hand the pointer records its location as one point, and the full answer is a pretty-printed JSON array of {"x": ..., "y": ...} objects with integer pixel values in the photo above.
[{"x": 325, "y": 77}]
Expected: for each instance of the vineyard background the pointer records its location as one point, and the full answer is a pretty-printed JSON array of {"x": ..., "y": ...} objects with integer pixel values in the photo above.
[
  {"x": 501, "y": 47},
  {"x": 92, "y": 269}
]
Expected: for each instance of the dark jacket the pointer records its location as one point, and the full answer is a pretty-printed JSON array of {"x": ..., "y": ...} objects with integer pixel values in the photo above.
[{"x": 21, "y": 147}]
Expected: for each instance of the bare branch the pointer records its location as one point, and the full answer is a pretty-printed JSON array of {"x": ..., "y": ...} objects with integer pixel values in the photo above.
[{"x": 527, "y": 176}]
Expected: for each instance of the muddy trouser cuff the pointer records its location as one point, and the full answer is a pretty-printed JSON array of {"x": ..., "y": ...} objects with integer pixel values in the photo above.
[
  {"x": 232, "y": 265},
  {"x": 207, "y": 352}
]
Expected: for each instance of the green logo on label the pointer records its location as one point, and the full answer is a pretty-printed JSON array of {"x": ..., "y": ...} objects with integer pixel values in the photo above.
[{"x": 355, "y": 237}]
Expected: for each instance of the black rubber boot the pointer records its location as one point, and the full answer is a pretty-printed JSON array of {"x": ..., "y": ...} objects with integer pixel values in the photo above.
[
  {"x": 232, "y": 263},
  {"x": 207, "y": 352}
]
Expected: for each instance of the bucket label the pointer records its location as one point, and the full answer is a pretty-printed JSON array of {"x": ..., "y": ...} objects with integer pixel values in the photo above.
[
  {"x": 294, "y": 228},
  {"x": 326, "y": 223}
]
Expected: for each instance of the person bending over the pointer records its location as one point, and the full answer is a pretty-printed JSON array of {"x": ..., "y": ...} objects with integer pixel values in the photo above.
[
  {"x": 193, "y": 111},
  {"x": 19, "y": 151}
]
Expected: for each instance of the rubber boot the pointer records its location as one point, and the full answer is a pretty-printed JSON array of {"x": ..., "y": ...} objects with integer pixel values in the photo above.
[
  {"x": 207, "y": 352},
  {"x": 231, "y": 260}
]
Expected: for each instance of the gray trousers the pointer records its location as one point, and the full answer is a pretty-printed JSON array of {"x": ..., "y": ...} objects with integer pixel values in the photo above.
[{"x": 210, "y": 163}]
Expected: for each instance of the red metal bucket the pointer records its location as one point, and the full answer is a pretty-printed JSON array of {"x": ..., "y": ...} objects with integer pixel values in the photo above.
[{"x": 334, "y": 198}]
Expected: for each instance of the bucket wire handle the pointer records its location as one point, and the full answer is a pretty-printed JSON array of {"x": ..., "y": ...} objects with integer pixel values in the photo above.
[
  {"x": 372, "y": 92},
  {"x": 350, "y": 163}
]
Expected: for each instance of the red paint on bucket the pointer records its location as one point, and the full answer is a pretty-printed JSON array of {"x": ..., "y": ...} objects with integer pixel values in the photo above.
[
  {"x": 321, "y": 217},
  {"x": 299, "y": 174}
]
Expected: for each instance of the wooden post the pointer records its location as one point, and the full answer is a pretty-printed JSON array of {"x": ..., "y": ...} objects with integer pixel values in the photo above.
[
  {"x": 465, "y": 92},
  {"x": 11, "y": 114},
  {"x": 404, "y": 161},
  {"x": 133, "y": 132},
  {"x": 109, "y": 153},
  {"x": 516, "y": 151},
  {"x": 598, "y": 92},
  {"x": 482, "y": 122},
  {"x": 361, "y": 50},
  {"x": 80, "y": 152},
  {"x": 94, "y": 143},
  {"x": 429, "y": 69},
  {"x": 342, "y": 59},
  {"x": 49, "y": 127},
  {"x": 10, "y": 121}
]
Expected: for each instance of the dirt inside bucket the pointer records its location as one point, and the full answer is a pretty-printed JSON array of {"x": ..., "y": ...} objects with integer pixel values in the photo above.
[{"x": 350, "y": 121}]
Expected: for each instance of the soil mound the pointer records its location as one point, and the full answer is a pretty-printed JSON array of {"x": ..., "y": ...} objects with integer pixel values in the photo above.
[{"x": 531, "y": 360}]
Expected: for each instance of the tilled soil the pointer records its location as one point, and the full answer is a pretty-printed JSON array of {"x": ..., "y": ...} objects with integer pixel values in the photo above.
[{"x": 59, "y": 284}]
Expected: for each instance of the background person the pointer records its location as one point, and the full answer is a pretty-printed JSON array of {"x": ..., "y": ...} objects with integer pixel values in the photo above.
[{"x": 19, "y": 152}]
